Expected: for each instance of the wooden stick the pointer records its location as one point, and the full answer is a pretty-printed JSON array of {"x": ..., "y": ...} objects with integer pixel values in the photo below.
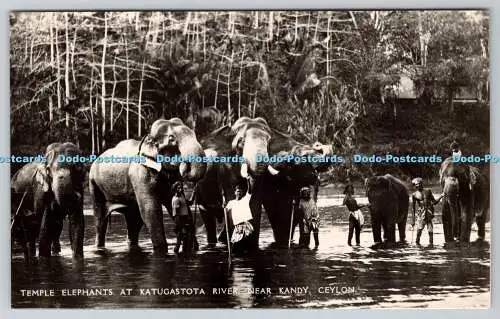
[
  {"x": 291, "y": 224},
  {"x": 17, "y": 211},
  {"x": 227, "y": 236}
]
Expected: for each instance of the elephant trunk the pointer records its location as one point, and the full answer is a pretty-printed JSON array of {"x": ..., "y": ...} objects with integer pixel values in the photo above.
[
  {"x": 256, "y": 145},
  {"x": 62, "y": 187},
  {"x": 193, "y": 167}
]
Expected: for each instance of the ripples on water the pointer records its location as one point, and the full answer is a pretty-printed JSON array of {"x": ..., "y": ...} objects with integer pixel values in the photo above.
[{"x": 335, "y": 275}]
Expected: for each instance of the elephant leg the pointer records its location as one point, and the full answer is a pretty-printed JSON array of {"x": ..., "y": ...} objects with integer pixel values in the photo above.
[
  {"x": 402, "y": 230},
  {"x": 256, "y": 208},
  {"x": 152, "y": 217},
  {"x": 391, "y": 231},
  {"x": 76, "y": 232},
  {"x": 45, "y": 238},
  {"x": 385, "y": 229},
  {"x": 466, "y": 224},
  {"x": 146, "y": 188},
  {"x": 134, "y": 226},
  {"x": 210, "y": 223},
  {"x": 376, "y": 225},
  {"x": 101, "y": 220},
  {"x": 56, "y": 243},
  {"x": 481, "y": 226},
  {"x": 27, "y": 240}
]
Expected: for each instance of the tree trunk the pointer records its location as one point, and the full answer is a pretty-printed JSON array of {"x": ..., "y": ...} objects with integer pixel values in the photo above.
[
  {"x": 51, "y": 102},
  {"x": 31, "y": 53},
  {"x": 239, "y": 81},
  {"x": 229, "y": 88},
  {"x": 103, "y": 81},
  {"x": 451, "y": 92},
  {"x": 91, "y": 109},
  {"x": 97, "y": 130},
  {"x": 58, "y": 66},
  {"x": 139, "y": 119},
  {"x": 296, "y": 25},
  {"x": 73, "y": 58},
  {"x": 66, "y": 69},
  {"x": 111, "y": 116},
  {"x": 127, "y": 110},
  {"x": 270, "y": 26},
  {"x": 421, "y": 38}
]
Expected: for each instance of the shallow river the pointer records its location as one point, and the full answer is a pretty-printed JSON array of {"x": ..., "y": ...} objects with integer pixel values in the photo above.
[{"x": 334, "y": 275}]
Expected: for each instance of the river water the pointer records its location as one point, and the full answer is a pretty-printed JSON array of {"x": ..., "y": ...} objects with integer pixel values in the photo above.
[{"x": 335, "y": 275}]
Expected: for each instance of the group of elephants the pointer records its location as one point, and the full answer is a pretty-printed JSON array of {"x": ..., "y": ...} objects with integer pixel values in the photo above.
[{"x": 44, "y": 194}]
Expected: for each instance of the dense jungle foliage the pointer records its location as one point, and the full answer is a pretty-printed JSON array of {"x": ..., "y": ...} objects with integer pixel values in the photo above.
[{"x": 96, "y": 78}]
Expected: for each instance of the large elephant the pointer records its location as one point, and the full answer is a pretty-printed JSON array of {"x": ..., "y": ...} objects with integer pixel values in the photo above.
[
  {"x": 271, "y": 187},
  {"x": 466, "y": 195},
  {"x": 43, "y": 194},
  {"x": 389, "y": 201},
  {"x": 139, "y": 189}
]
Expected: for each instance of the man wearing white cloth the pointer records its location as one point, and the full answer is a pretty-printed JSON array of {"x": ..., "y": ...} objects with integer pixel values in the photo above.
[{"x": 239, "y": 211}]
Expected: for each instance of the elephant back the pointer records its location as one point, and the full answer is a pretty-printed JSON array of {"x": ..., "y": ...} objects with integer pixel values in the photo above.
[
  {"x": 481, "y": 191},
  {"x": 26, "y": 178},
  {"x": 403, "y": 196}
]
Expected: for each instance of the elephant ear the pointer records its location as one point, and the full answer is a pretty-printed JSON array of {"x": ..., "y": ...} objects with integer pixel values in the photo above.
[
  {"x": 149, "y": 151},
  {"x": 147, "y": 147},
  {"x": 149, "y": 143},
  {"x": 53, "y": 150},
  {"x": 282, "y": 142},
  {"x": 42, "y": 178},
  {"x": 219, "y": 140},
  {"x": 474, "y": 177},
  {"x": 442, "y": 169}
]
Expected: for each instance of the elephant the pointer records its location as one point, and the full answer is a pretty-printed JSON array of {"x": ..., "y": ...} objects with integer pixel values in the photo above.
[
  {"x": 466, "y": 196},
  {"x": 270, "y": 185},
  {"x": 389, "y": 202},
  {"x": 43, "y": 194},
  {"x": 205, "y": 121},
  {"x": 138, "y": 189}
]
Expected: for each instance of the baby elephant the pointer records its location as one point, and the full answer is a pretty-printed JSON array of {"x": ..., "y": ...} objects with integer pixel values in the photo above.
[{"x": 389, "y": 200}]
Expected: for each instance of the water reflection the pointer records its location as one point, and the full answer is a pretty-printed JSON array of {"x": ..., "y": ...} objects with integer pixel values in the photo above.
[{"x": 335, "y": 275}]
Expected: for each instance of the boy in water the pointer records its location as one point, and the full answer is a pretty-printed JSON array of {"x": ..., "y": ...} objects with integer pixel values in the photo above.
[
  {"x": 182, "y": 216},
  {"x": 308, "y": 218},
  {"x": 356, "y": 219},
  {"x": 425, "y": 212}
]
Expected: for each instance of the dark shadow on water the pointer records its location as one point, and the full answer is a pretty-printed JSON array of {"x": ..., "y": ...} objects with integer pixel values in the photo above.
[{"x": 335, "y": 276}]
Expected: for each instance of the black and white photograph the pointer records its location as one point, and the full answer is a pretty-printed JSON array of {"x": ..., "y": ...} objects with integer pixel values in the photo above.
[{"x": 312, "y": 159}]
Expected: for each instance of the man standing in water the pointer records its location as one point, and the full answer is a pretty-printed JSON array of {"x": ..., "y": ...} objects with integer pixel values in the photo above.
[
  {"x": 425, "y": 213},
  {"x": 184, "y": 225},
  {"x": 356, "y": 219},
  {"x": 240, "y": 214}
]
